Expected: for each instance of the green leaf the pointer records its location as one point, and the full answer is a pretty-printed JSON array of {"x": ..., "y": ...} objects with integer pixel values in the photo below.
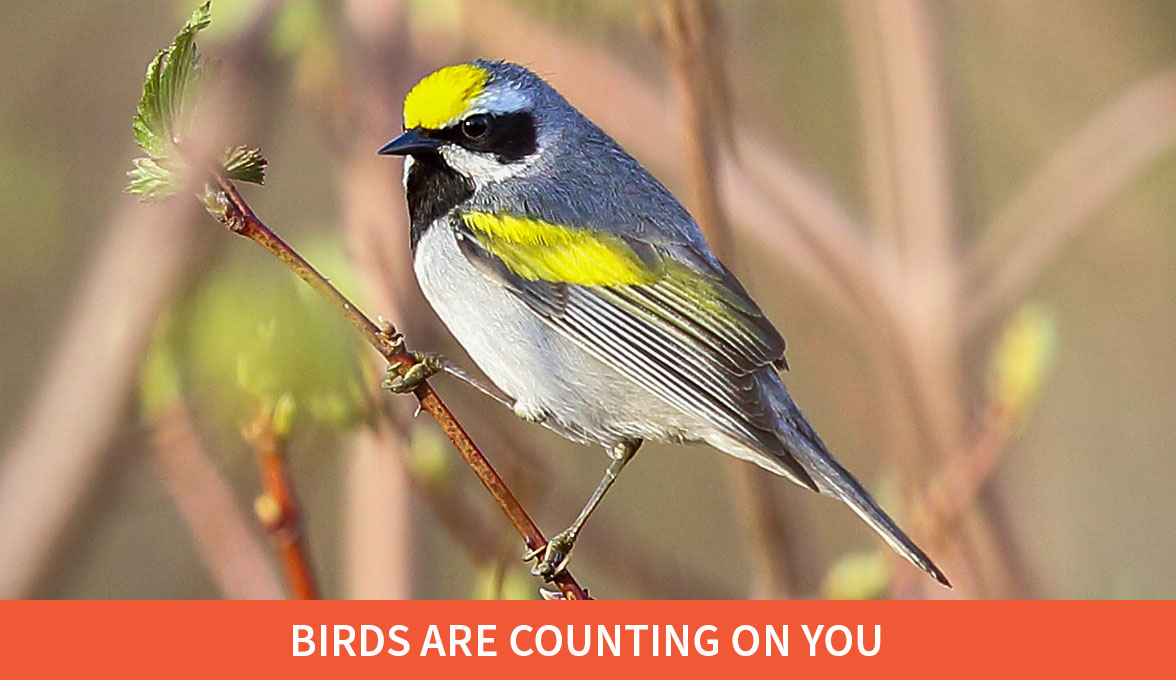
[
  {"x": 215, "y": 203},
  {"x": 245, "y": 164},
  {"x": 171, "y": 88},
  {"x": 182, "y": 78},
  {"x": 154, "y": 180},
  {"x": 147, "y": 123},
  {"x": 176, "y": 78}
]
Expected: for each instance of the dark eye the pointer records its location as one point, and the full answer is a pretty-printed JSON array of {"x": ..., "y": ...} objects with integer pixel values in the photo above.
[{"x": 476, "y": 126}]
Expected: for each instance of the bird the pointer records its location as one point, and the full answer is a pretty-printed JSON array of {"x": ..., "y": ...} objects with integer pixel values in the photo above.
[{"x": 588, "y": 295}]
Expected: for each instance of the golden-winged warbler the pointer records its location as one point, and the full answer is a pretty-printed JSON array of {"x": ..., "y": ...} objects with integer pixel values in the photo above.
[{"x": 587, "y": 293}]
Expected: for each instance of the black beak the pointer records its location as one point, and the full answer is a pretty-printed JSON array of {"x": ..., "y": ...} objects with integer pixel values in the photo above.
[{"x": 412, "y": 141}]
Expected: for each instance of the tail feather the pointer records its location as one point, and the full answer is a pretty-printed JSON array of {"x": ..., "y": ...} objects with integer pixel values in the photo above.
[
  {"x": 838, "y": 482},
  {"x": 802, "y": 444}
]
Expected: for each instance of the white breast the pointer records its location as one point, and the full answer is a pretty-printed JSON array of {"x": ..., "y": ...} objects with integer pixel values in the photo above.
[{"x": 526, "y": 358}]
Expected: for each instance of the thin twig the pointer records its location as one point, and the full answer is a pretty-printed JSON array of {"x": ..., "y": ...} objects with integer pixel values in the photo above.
[
  {"x": 942, "y": 508},
  {"x": 1073, "y": 186},
  {"x": 277, "y": 507},
  {"x": 242, "y": 220}
]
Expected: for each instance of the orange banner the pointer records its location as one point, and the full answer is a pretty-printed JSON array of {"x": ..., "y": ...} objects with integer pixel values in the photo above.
[{"x": 570, "y": 640}]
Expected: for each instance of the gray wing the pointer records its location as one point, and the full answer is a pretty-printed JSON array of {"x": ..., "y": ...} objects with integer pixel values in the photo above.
[{"x": 700, "y": 348}]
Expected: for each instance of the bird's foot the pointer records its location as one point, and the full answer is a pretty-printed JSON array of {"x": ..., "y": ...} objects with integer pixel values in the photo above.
[
  {"x": 427, "y": 365},
  {"x": 555, "y": 555}
]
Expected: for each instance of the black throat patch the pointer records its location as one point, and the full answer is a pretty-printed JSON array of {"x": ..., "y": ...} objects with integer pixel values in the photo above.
[{"x": 432, "y": 190}]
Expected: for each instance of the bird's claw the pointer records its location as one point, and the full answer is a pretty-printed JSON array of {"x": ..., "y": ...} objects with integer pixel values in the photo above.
[
  {"x": 427, "y": 365},
  {"x": 394, "y": 338},
  {"x": 555, "y": 555}
]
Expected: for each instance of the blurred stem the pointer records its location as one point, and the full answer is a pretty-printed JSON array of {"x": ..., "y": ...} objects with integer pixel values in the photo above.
[
  {"x": 206, "y": 503},
  {"x": 46, "y": 469},
  {"x": 277, "y": 506},
  {"x": 1082, "y": 178},
  {"x": 956, "y": 487},
  {"x": 903, "y": 435},
  {"x": 908, "y": 172},
  {"x": 941, "y": 512},
  {"x": 378, "y": 522},
  {"x": 375, "y": 61},
  {"x": 910, "y": 181},
  {"x": 688, "y": 36},
  {"x": 241, "y": 219}
]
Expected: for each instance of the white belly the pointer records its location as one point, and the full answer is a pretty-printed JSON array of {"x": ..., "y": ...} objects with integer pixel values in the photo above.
[{"x": 548, "y": 375}]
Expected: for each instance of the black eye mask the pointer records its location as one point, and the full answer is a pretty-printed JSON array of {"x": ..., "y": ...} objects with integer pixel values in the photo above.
[{"x": 510, "y": 137}]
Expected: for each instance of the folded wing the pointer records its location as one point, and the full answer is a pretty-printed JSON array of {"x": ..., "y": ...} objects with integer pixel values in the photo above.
[{"x": 688, "y": 333}]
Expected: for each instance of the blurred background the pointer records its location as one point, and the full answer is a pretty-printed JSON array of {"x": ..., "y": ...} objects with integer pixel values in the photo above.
[{"x": 960, "y": 214}]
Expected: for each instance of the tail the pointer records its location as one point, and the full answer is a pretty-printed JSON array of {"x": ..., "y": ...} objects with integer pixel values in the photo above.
[
  {"x": 803, "y": 445},
  {"x": 834, "y": 480}
]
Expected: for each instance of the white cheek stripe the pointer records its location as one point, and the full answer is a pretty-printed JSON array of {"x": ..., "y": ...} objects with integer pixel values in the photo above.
[
  {"x": 484, "y": 168},
  {"x": 408, "y": 161}
]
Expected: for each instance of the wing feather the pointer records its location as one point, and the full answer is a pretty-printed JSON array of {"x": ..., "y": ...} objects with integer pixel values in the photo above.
[{"x": 685, "y": 336}]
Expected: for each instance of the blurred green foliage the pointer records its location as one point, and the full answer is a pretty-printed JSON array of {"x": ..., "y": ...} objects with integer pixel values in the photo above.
[
  {"x": 430, "y": 456},
  {"x": 1021, "y": 360},
  {"x": 253, "y": 338},
  {"x": 502, "y": 582},
  {"x": 858, "y": 576}
]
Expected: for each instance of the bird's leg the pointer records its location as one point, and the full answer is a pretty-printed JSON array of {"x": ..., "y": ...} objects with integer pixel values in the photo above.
[
  {"x": 488, "y": 389},
  {"x": 559, "y": 547},
  {"x": 429, "y": 364}
]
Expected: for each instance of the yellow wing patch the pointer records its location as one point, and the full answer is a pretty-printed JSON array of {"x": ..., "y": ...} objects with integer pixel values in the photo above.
[
  {"x": 443, "y": 95},
  {"x": 537, "y": 250}
]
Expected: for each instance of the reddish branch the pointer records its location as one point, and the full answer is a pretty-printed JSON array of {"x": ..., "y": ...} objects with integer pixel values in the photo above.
[
  {"x": 277, "y": 508},
  {"x": 241, "y": 219}
]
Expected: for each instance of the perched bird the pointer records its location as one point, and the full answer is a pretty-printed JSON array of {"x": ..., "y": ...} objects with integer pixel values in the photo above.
[{"x": 586, "y": 292}]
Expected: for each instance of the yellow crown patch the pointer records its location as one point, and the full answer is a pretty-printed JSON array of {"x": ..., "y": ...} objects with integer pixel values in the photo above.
[{"x": 443, "y": 95}]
